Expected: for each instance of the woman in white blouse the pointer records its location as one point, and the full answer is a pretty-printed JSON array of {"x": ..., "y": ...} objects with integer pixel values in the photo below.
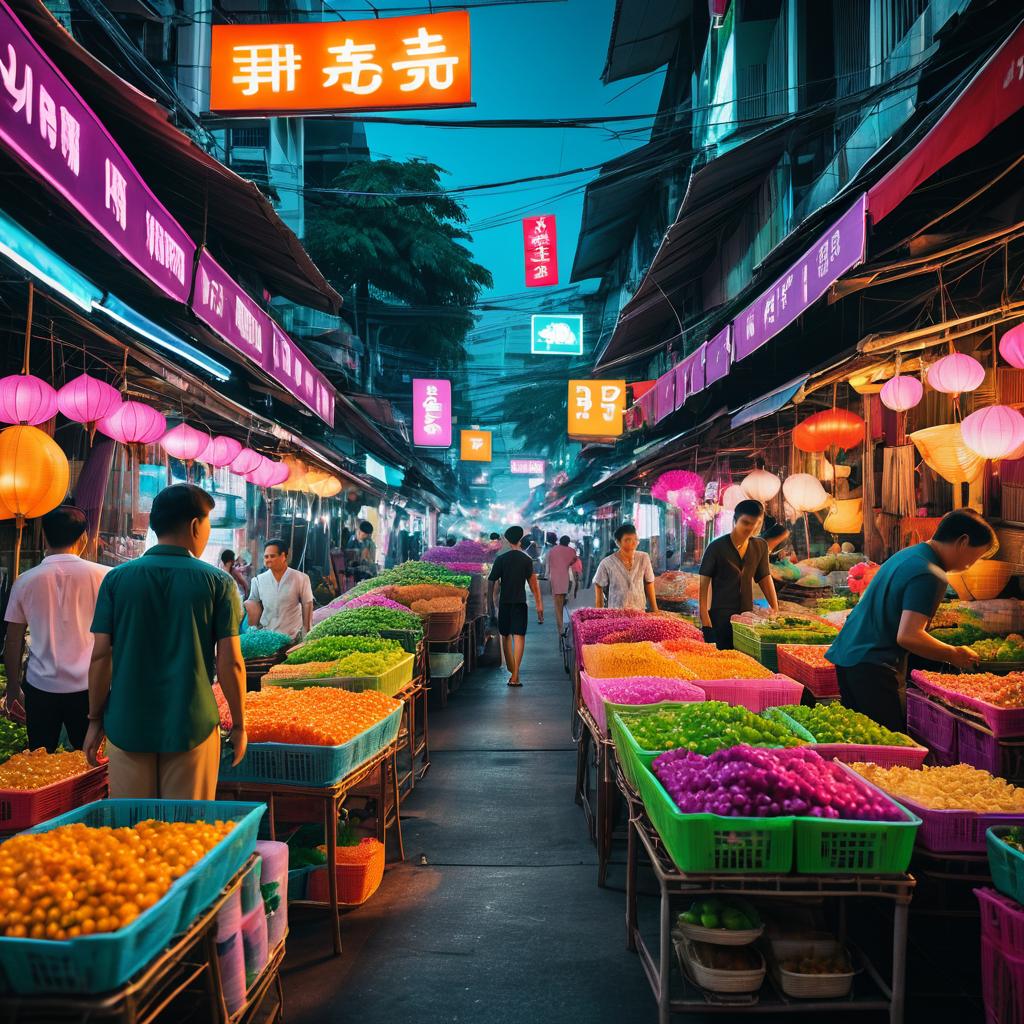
[{"x": 625, "y": 579}]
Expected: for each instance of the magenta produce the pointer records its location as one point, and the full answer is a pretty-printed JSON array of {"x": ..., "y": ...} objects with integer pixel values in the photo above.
[
  {"x": 590, "y": 614},
  {"x": 625, "y": 629},
  {"x": 375, "y": 601},
  {"x": 648, "y": 690},
  {"x": 747, "y": 782}
]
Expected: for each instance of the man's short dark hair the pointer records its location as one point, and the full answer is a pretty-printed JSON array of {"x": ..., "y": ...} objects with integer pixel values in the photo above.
[
  {"x": 227, "y": 555},
  {"x": 176, "y": 506},
  {"x": 564, "y": 541},
  {"x": 64, "y": 525},
  {"x": 747, "y": 507},
  {"x": 514, "y": 534},
  {"x": 623, "y": 530},
  {"x": 775, "y": 530},
  {"x": 366, "y": 527},
  {"x": 495, "y": 536},
  {"x": 965, "y": 522},
  {"x": 277, "y": 542}
]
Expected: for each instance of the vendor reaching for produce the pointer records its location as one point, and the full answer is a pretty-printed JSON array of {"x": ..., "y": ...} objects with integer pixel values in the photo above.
[
  {"x": 728, "y": 571},
  {"x": 892, "y": 617},
  {"x": 776, "y": 537}
]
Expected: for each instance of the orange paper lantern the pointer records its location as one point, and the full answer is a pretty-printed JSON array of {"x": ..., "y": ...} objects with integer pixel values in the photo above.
[
  {"x": 34, "y": 473},
  {"x": 830, "y": 428}
]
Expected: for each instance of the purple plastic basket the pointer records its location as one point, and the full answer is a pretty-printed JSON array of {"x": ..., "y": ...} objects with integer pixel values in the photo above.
[
  {"x": 955, "y": 831},
  {"x": 934, "y": 726},
  {"x": 979, "y": 748},
  {"x": 1004, "y": 722}
]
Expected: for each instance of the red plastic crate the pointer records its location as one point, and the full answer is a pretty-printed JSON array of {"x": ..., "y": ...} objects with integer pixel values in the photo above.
[
  {"x": 934, "y": 726},
  {"x": 23, "y": 808},
  {"x": 822, "y": 682}
]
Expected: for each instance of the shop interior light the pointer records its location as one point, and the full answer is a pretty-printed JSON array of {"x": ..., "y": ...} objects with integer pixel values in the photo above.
[{"x": 135, "y": 321}]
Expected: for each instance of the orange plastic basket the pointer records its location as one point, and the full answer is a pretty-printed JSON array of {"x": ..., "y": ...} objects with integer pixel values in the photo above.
[{"x": 359, "y": 870}]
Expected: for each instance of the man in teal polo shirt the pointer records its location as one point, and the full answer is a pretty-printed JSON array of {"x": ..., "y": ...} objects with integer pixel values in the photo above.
[{"x": 162, "y": 624}]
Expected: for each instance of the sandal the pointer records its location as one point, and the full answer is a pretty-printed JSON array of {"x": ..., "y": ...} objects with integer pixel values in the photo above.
[{"x": 510, "y": 683}]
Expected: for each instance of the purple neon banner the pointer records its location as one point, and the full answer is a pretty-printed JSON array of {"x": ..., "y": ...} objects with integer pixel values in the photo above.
[
  {"x": 832, "y": 255},
  {"x": 431, "y": 413},
  {"x": 690, "y": 376},
  {"x": 221, "y": 304},
  {"x": 717, "y": 356},
  {"x": 294, "y": 371},
  {"x": 49, "y": 126},
  {"x": 665, "y": 393}
]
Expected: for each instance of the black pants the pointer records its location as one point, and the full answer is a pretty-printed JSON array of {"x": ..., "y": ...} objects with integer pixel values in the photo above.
[
  {"x": 721, "y": 628},
  {"x": 46, "y": 713},
  {"x": 876, "y": 691}
]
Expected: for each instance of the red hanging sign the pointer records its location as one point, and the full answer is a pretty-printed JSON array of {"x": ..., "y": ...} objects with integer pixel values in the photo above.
[{"x": 540, "y": 243}]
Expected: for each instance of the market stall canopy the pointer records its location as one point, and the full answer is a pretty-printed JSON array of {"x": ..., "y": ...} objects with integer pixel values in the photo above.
[
  {"x": 769, "y": 404},
  {"x": 645, "y": 35},
  {"x": 209, "y": 200}
]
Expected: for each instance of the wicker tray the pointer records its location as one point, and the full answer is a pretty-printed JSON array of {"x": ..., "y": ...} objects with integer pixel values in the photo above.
[
  {"x": 809, "y": 986},
  {"x": 722, "y": 982}
]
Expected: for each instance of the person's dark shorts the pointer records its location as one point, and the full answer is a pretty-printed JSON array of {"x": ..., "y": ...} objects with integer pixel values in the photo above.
[{"x": 512, "y": 619}]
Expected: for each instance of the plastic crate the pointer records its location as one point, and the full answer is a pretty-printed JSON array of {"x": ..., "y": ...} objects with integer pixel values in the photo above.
[
  {"x": 1002, "y": 921},
  {"x": 388, "y": 683},
  {"x": 934, "y": 726},
  {"x": 298, "y": 882},
  {"x": 23, "y": 808},
  {"x": 1005, "y": 723},
  {"x": 956, "y": 831},
  {"x": 979, "y": 748},
  {"x": 748, "y": 643},
  {"x": 1006, "y": 864},
  {"x": 753, "y": 694},
  {"x": 293, "y": 764},
  {"x": 593, "y": 692},
  {"x": 99, "y": 963},
  {"x": 822, "y": 682},
  {"x": 409, "y": 639},
  {"x": 1002, "y": 984}
]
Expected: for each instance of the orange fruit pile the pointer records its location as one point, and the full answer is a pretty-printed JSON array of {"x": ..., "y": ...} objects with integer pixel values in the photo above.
[
  {"x": 812, "y": 655},
  {"x": 1002, "y": 691},
  {"x": 33, "y": 769},
  {"x": 75, "y": 880},
  {"x": 708, "y": 662},
  {"x": 318, "y": 716},
  {"x": 620, "y": 661}
]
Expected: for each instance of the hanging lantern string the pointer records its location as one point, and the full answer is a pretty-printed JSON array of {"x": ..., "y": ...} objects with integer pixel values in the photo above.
[{"x": 28, "y": 328}]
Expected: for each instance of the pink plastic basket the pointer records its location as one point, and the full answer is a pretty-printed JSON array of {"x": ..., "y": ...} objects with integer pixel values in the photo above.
[
  {"x": 1002, "y": 981},
  {"x": 1002, "y": 921},
  {"x": 1004, "y": 722},
  {"x": 956, "y": 831},
  {"x": 597, "y": 691},
  {"x": 822, "y": 682},
  {"x": 885, "y": 757},
  {"x": 978, "y": 747},
  {"x": 753, "y": 694},
  {"x": 934, "y": 726}
]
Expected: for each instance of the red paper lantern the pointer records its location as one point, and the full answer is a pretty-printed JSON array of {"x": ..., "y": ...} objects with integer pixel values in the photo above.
[
  {"x": 993, "y": 432},
  {"x": 1011, "y": 346},
  {"x": 831, "y": 428},
  {"x": 956, "y": 373},
  {"x": 269, "y": 473}
]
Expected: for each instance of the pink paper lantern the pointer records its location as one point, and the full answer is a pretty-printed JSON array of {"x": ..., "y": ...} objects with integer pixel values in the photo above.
[
  {"x": 993, "y": 432},
  {"x": 87, "y": 399},
  {"x": 901, "y": 393},
  {"x": 269, "y": 473},
  {"x": 1011, "y": 346},
  {"x": 675, "y": 480},
  {"x": 956, "y": 373},
  {"x": 246, "y": 461},
  {"x": 221, "y": 451},
  {"x": 185, "y": 443},
  {"x": 134, "y": 423},
  {"x": 26, "y": 400}
]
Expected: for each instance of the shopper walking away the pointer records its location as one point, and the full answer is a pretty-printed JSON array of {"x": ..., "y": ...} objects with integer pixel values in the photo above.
[
  {"x": 281, "y": 598},
  {"x": 892, "y": 617},
  {"x": 728, "y": 571},
  {"x": 54, "y": 602},
  {"x": 236, "y": 570},
  {"x": 513, "y": 570},
  {"x": 164, "y": 622},
  {"x": 560, "y": 560},
  {"x": 625, "y": 579}
]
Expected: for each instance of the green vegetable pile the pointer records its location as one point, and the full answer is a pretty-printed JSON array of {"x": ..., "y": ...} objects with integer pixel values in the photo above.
[
  {"x": 329, "y": 648},
  {"x": 1010, "y": 648},
  {"x": 409, "y": 573},
  {"x": 792, "y": 629},
  {"x": 836, "y": 604},
  {"x": 367, "y": 622},
  {"x": 732, "y": 914},
  {"x": 13, "y": 738},
  {"x": 962, "y": 635},
  {"x": 354, "y": 665},
  {"x": 262, "y": 643},
  {"x": 833, "y": 723},
  {"x": 706, "y": 727}
]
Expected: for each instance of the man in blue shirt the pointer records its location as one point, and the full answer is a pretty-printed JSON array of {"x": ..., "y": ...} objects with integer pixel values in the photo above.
[{"x": 893, "y": 614}]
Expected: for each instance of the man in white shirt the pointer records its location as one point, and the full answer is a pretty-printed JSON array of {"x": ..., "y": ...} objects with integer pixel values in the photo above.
[
  {"x": 55, "y": 602},
  {"x": 281, "y": 598}
]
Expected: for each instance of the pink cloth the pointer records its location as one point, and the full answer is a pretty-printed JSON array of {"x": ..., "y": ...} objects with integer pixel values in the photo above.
[{"x": 560, "y": 560}]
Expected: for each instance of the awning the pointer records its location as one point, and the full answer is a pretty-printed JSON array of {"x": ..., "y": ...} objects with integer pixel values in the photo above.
[
  {"x": 645, "y": 35},
  {"x": 995, "y": 93},
  {"x": 769, "y": 404}
]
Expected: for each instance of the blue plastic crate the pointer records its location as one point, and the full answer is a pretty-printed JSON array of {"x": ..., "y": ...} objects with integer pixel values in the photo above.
[
  {"x": 99, "y": 963},
  {"x": 294, "y": 764}
]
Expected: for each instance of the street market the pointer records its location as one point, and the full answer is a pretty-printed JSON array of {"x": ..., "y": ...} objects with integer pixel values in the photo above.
[{"x": 397, "y": 630}]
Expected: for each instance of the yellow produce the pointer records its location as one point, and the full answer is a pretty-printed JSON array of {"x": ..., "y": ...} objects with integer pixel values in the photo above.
[
  {"x": 33, "y": 769},
  {"x": 75, "y": 880},
  {"x": 958, "y": 787}
]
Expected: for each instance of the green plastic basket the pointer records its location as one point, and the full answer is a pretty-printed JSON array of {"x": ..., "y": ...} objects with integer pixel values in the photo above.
[
  {"x": 389, "y": 683},
  {"x": 749, "y": 642}
]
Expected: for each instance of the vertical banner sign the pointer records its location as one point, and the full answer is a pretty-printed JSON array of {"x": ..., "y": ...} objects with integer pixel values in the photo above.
[
  {"x": 432, "y": 413},
  {"x": 718, "y": 355},
  {"x": 540, "y": 242},
  {"x": 294, "y": 370},
  {"x": 475, "y": 445},
  {"x": 556, "y": 335},
  {"x": 378, "y": 64},
  {"x": 595, "y": 407}
]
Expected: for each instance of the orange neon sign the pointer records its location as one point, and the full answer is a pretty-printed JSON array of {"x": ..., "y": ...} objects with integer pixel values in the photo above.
[
  {"x": 596, "y": 407},
  {"x": 372, "y": 64},
  {"x": 476, "y": 445}
]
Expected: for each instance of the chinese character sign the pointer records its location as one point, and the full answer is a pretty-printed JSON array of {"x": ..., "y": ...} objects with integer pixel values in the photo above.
[
  {"x": 294, "y": 371},
  {"x": 540, "y": 243},
  {"x": 432, "y": 413},
  {"x": 47, "y": 125},
  {"x": 560, "y": 335},
  {"x": 527, "y": 467},
  {"x": 373, "y": 64},
  {"x": 475, "y": 445},
  {"x": 595, "y": 407}
]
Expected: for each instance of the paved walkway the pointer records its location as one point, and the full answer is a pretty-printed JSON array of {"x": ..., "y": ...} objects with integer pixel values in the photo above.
[{"x": 495, "y": 916}]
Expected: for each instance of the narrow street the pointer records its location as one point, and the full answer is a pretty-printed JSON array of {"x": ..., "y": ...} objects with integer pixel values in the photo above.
[{"x": 496, "y": 915}]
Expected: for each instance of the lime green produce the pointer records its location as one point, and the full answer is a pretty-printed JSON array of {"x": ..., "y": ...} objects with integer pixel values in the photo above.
[
  {"x": 706, "y": 727},
  {"x": 13, "y": 738},
  {"x": 367, "y": 622},
  {"x": 833, "y": 723},
  {"x": 329, "y": 648},
  {"x": 962, "y": 635},
  {"x": 1010, "y": 648},
  {"x": 408, "y": 574},
  {"x": 731, "y": 914}
]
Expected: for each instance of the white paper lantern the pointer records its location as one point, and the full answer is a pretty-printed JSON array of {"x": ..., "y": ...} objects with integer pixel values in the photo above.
[
  {"x": 761, "y": 485},
  {"x": 732, "y": 496},
  {"x": 993, "y": 432},
  {"x": 805, "y": 493}
]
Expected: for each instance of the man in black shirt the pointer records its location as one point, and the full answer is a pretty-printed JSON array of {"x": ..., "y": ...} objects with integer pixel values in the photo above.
[
  {"x": 513, "y": 569},
  {"x": 728, "y": 570}
]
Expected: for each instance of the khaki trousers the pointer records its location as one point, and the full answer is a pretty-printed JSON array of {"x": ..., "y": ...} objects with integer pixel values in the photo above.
[{"x": 184, "y": 775}]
